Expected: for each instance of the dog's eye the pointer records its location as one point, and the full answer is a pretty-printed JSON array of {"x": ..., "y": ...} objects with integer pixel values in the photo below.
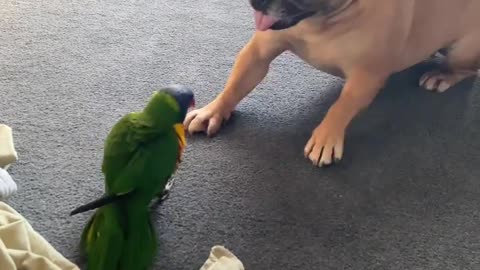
[{"x": 262, "y": 4}]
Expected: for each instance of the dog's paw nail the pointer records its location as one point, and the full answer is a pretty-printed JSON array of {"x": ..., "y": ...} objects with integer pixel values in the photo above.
[{"x": 443, "y": 87}]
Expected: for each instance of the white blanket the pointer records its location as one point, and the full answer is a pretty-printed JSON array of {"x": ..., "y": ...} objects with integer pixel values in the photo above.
[
  {"x": 22, "y": 248},
  {"x": 8, "y": 187},
  {"x": 8, "y": 155}
]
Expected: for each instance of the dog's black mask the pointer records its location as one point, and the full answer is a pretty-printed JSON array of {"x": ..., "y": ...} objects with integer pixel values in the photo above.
[{"x": 291, "y": 12}]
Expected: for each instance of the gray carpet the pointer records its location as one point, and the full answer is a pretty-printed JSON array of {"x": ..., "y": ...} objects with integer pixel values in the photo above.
[{"x": 407, "y": 195}]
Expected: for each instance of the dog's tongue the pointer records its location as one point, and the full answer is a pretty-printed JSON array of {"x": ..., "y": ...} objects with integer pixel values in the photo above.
[{"x": 264, "y": 22}]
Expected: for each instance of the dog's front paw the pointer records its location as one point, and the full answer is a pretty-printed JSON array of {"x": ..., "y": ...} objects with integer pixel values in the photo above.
[
  {"x": 208, "y": 119},
  {"x": 325, "y": 147}
]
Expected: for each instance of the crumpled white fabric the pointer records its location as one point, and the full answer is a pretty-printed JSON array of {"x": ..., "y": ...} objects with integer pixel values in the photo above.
[
  {"x": 22, "y": 248},
  {"x": 8, "y": 155},
  {"x": 221, "y": 258},
  {"x": 8, "y": 187}
]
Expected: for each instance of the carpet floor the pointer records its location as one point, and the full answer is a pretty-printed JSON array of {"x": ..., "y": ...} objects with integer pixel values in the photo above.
[{"x": 407, "y": 195}]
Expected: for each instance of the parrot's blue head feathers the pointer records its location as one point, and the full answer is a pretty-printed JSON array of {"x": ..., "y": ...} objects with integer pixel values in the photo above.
[
  {"x": 184, "y": 97},
  {"x": 169, "y": 105}
]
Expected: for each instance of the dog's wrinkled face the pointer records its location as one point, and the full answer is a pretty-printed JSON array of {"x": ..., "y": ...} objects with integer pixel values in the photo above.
[{"x": 282, "y": 14}]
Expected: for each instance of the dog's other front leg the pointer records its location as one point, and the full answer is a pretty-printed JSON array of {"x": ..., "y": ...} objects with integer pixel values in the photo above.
[
  {"x": 250, "y": 68},
  {"x": 326, "y": 143}
]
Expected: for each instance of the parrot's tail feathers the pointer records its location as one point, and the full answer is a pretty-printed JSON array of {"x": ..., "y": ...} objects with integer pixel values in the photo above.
[
  {"x": 83, "y": 239},
  {"x": 100, "y": 202}
]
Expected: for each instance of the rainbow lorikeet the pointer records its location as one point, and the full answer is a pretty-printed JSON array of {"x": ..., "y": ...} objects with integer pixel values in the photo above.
[{"x": 141, "y": 153}]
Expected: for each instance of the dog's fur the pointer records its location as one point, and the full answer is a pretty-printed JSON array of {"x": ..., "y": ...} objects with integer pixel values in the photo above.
[{"x": 363, "y": 41}]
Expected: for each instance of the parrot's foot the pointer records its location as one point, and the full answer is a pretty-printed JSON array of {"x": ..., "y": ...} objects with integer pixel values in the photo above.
[
  {"x": 162, "y": 196},
  {"x": 325, "y": 147}
]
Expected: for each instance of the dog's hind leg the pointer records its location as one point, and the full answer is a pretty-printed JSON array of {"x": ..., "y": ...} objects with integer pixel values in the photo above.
[{"x": 462, "y": 62}]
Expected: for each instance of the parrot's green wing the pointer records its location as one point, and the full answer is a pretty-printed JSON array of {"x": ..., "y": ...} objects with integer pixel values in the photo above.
[
  {"x": 122, "y": 144},
  {"x": 149, "y": 168},
  {"x": 130, "y": 177},
  {"x": 146, "y": 172}
]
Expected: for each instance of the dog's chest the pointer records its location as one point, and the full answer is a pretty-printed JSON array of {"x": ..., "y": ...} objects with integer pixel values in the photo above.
[{"x": 319, "y": 53}]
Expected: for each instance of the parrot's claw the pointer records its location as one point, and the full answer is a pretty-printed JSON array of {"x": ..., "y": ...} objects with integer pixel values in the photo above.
[
  {"x": 164, "y": 195},
  {"x": 166, "y": 192}
]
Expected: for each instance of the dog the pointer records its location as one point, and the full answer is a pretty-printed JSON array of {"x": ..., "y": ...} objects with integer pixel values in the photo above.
[{"x": 361, "y": 41}]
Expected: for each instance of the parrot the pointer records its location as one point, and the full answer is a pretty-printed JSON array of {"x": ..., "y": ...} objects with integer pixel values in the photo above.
[{"x": 141, "y": 153}]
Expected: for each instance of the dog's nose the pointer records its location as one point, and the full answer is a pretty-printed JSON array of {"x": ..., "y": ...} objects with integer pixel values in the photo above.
[{"x": 260, "y": 5}]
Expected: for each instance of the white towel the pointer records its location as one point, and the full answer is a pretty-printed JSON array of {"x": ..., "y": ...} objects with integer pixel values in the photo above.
[
  {"x": 222, "y": 259},
  {"x": 8, "y": 187},
  {"x": 8, "y": 155},
  {"x": 22, "y": 248}
]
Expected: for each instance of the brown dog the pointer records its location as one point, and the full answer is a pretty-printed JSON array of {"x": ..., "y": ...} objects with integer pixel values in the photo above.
[{"x": 363, "y": 41}]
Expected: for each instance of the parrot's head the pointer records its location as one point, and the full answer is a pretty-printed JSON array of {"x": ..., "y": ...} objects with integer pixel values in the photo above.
[{"x": 171, "y": 103}]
